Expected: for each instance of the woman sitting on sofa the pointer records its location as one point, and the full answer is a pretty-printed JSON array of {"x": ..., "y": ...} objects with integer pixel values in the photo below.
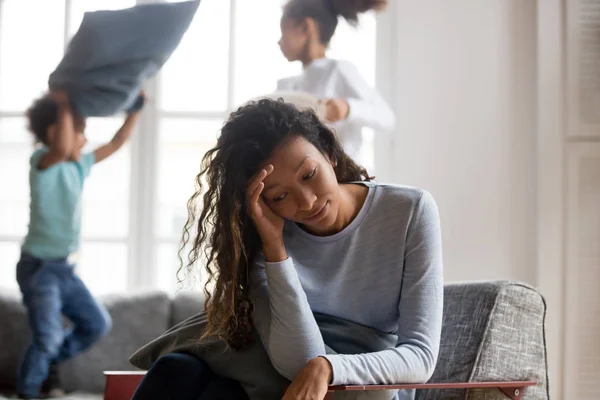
[{"x": 291, "y": 225}]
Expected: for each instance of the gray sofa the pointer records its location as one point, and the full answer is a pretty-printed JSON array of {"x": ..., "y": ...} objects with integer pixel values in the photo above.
[{"x": 491, "y": 331}]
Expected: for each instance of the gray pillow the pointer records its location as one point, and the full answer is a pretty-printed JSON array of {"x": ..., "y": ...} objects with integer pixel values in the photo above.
[{"x": 114, "y": 52}]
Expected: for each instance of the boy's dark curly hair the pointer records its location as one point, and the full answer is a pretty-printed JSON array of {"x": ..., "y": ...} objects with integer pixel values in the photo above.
[
  {"x": 42, "y": 114},
  {"x": 223, "y": 229}
]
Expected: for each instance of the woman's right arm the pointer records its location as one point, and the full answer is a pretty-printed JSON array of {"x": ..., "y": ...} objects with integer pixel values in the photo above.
[
  {"x": 283, "y": 318},
  {"x": 282, "y": 315}
]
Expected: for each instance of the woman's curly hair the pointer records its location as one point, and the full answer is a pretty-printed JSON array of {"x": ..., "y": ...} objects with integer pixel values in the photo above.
[{"x": 220, "y": 230}]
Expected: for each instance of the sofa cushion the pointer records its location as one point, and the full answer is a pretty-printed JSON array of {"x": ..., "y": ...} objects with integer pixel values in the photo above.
[{"x": 491, "y": 331}]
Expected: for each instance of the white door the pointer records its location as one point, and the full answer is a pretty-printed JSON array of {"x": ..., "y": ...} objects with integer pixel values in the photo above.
[
  {"x": 582, "y": 275},
  {"x": 582, "y": 268}
]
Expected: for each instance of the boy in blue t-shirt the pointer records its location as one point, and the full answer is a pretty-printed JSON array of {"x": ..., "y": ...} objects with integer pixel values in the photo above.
[{"x": 45, "y": 272}]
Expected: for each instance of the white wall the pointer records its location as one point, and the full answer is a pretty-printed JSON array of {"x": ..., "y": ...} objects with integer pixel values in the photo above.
[
  {"x": 463, "y": 86},
  {"x": 551, "y": 185}
]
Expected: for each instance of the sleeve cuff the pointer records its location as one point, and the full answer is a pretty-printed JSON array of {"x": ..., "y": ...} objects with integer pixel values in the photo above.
[
  {"x": 337, "y": 375},
  {"x": 281, "y": 271},
  {"x": 287, "y": 263}
]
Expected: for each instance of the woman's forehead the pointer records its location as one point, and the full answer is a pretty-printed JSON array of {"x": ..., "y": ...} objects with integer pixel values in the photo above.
[{"x": 291, "y": 153}]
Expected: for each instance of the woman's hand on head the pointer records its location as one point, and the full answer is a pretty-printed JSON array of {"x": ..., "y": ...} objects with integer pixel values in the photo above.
[
  {"x": 312, "y": 382},
  {"x": 336, "y": 109},
  {"x": 268, "y": 224}
]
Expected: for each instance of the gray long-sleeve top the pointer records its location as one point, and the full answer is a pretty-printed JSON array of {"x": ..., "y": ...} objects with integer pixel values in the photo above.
[{"x": 384, "y": 270}]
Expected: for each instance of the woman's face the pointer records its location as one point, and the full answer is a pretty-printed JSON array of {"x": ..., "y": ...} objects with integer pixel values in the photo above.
[
  {"x": 302, "y": 187},
  {"x": 293, "y": 39}
]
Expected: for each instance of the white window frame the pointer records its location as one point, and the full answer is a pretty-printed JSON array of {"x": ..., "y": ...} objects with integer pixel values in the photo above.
[{"x": 143, "y": 240}]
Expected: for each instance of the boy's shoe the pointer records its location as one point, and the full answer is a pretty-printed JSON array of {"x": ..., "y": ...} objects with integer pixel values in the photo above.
[{"x": 52, "y": 387}]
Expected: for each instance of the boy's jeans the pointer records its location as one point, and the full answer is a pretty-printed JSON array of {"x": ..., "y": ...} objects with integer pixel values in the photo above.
[{"x": 50, "y": 290}]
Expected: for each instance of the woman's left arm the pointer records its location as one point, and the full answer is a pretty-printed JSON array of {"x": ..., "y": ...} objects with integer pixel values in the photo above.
[
  {"x": 420, "y": 312},
  {"x": 366, "y": 107}
]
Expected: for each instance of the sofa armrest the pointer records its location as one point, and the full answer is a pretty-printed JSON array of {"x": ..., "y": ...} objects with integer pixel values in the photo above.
[{"x": 492, "y": 331}]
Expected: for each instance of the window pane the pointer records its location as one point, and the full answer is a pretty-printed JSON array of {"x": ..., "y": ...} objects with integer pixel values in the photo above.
[
  {"x": 79, "y": 7},
  {"x": 167, "y": 278},
  {"x": 195, "y": 78},
  {"x": 99, "y": 131},
  {"x": 14, "y": 131},
  {"x": 16, "y": 146},
  {"x": 14, "y": 189},
  {"x": 357, "y": 45},
  {"x": 183, "y": 143},
  {"x": 31, "y": 45},
  {"x": 258, "y": 60},
  {"x": 106, "y": 193},
  {"x": 168, "y": 263},
  {"x": 103, "y": 267},
  {"x": 9, "y": 256}
]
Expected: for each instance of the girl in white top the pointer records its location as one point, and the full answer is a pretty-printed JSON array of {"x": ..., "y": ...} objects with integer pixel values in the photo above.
[{"x": 307, "y": 27}]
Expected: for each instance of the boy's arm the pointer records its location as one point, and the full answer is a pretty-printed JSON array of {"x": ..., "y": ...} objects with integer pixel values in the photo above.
[
  {"x": 64, "y": 134},
  {"x": 119, "y": 139}
]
